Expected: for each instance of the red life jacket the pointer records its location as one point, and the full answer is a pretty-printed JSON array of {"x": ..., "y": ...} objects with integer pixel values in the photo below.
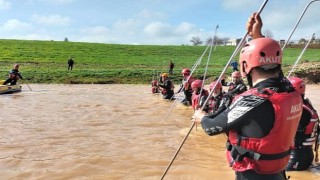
[
  {"x": 154, "y": 86},
  {"x": 269, "y": 154},
  {"x": 311, "y": 129},
  {"x": 214, "y": 102},
  {"x": 196, "y": 98},
  {"x": 187, "y": 84}
]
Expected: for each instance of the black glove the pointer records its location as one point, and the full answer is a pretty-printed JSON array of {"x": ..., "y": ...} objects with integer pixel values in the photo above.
[{"x": 239, "y": 88}]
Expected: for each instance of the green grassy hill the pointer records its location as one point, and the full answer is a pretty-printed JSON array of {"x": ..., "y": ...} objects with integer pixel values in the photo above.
[{"x": 46, "y": 61}]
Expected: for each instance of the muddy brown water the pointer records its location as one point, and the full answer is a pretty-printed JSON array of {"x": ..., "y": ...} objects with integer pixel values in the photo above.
[{"x": 108, "y": 132}]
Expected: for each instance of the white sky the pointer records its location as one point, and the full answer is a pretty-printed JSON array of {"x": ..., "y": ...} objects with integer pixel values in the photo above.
[{"x": 159, "y": 22}]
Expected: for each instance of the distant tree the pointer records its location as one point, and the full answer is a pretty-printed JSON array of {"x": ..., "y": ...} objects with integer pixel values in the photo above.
[
  {"x": 302, "y": 41},
  {"x": 317, "y": 41},
  {"x": 196, "y": 41},
  {"x": 209, "y": 40},
  {"x": 66, "y": 39},
  {"x": 268, "y": 33},
  {"x": 219, "y": 41}
]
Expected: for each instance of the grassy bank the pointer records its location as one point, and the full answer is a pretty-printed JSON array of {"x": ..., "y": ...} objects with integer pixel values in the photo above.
[{"x": 46, "y": 61}]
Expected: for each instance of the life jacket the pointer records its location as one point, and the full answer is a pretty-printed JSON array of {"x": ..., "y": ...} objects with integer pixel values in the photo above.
[
  {"x": 214, "y": 102},
  {"x": 269, "y": 154},
  {"x": 154, "y": 86},
  {"x": 195, "y": 99},
  {"x": 14, "y": 74},
  {"x": 188, "y": 83},
  {"x": 309, "y": 132}
]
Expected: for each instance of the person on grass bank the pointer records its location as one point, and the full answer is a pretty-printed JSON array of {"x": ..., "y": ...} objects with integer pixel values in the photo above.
[
  {"x": 70, "y": 63},
  {"x": 261, "y": 122},
  {"x": 301, "y": 156},
  {"x": 186, "y": 86},
  {"x": 14, "y": 76},
  {"x": 171, "y": 66},
  {"x": 166, "y": 87}
]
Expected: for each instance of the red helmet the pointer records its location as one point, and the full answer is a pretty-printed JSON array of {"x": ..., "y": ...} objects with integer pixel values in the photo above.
[
  {"x": 186, "y": 71},
  {"x": 236, "y": 74},
  {"x": 196, "y": 84},
  {"x": 264, "y": 52},
  {"x": 218, "y": 86},
  {"x": 298, "y": 84}
]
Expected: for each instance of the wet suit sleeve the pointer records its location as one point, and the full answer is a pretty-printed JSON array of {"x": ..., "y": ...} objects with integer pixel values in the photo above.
[
  {"x": 241, "y": 113},
  {"x": 20, "y": 76},
  {"x": 166, "y": 85}
]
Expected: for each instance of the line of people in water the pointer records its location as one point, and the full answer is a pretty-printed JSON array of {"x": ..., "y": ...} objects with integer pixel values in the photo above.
[
  {"x": 261, "y": 119},
  {"x": 301, "y": 154}
]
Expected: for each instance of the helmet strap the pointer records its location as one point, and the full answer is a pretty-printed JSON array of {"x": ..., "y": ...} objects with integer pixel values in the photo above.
[{"x": 249, "y": 78}]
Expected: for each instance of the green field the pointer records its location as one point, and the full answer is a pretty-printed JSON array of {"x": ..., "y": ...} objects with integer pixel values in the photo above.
[{"x": 46, "y": 61}]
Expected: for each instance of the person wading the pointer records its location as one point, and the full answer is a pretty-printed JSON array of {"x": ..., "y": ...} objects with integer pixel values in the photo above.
[{"x": 261, "y": 122}]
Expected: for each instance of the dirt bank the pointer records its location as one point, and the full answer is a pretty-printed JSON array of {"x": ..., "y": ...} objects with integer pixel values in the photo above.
[{"x": 309, "y": 71}]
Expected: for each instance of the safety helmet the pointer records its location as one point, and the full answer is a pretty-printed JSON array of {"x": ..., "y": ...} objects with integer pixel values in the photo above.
[
  {"x": 196, "y": 84},
  {"x": 236, "y": 74},
  {"x": 298, "y": 84},
  {"x": 164, "y": 75},
  {"x": 218, "y": 86},
  {"x": 186, "y": 71},
  {"x": 261, "y": 52}
]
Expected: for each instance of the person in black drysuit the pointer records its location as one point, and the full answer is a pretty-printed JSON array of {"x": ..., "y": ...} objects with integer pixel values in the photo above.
[
  {"x": 167, "y": 87},
  {"x": 14, "y": 75},
  {"x": 171, "y": 66},
  {"x": 70, "y": 63}
]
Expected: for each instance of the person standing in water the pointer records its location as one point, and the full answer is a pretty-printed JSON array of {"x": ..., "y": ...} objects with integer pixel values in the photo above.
[
  {"x": 261, "y": 122},
  {"x": 167, "y": 87},
  {"x": 301, "y": 156}
]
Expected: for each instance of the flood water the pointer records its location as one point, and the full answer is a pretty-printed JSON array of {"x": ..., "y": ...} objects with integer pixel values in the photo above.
[{"x": 108, "y": 132}]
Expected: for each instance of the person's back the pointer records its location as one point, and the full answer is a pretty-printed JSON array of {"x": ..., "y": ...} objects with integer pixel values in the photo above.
[{"x": 260, "y": 122}]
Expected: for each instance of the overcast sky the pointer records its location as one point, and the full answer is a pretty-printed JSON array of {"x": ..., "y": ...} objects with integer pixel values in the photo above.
[{"x": 163, "y": 22}]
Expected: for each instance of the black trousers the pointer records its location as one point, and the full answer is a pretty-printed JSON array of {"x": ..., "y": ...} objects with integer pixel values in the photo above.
[{"x": 252, "y": 175}]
